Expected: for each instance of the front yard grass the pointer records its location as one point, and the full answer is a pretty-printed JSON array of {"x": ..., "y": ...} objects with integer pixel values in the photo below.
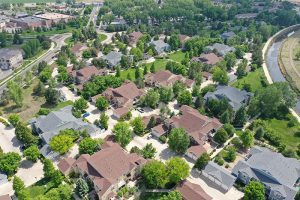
[
  {"x": 253, "y": 78},
  {"x": 177, "y": 56}
]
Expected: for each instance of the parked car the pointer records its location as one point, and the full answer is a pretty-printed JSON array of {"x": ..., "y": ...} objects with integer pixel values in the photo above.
[
  {"x": 85, "y": 115},
  {"x": 141, "y": 110}
]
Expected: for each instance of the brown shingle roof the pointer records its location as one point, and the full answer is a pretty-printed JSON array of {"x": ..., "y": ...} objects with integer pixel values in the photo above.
[
  {"x": 191, "y": 191},
  {"x": 196, "y": 150},
  {"x": 65, "y": 165},
  {"x": 196, "y": 125},
  {"x": 209, "y": 58},
  {"x": 134, "y": 37}
]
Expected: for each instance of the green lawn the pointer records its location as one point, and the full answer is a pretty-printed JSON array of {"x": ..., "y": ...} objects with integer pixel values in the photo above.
[
  {"x": 103, "y": 37},
  {"x": 253, "y": 78},
  {"x": 177, "y": 56},
  {"x": 60, "y": 105},
  {"x": 39, "y": 188},
  {"x": 287, "y": 134},
  {"x": 47, "y": 33}
]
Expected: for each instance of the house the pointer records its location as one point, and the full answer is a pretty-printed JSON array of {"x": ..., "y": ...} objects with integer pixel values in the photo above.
[
  {"x": 227, "y": 35},
  {"x": 183, "y": 39},
  {"x": 200, "y": 128},
  {"x": 54, "y": 18},
  {"x": 160, "y": 46},
  {"x": 165, "y": 78},
  {"x": 108, "y": 169},
  {"x": 195, "y": 151},
  {"x": 210, "y": 59},
  {"x": 10, "y": 58},
  {"x": 218, "y": 176},
  {"x": 159, "y": 130},
  {"x": 123, "y": 96},
  {"x": 113, "y": 58},
  {"x": 221, "y": 49},
  {"x": 280, "y": 175},
  {"x": 207, "y": 76},
  {"x": 5, "y": 197},
  {"x": 77, "y": 49},
  {"x": 118, "y": 113},
  {"x": 65, "y": 165},
  {"x": 51, "y": 124},
  {"x": 235, "y": 97},
  {"x": 134, "y": 37},
  {"x": 85, "y": 74},
  {"x": 192, "y": 191}
]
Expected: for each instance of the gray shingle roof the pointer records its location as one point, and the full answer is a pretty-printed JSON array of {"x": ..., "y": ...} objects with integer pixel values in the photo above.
[
  {"x": 221, "y": 48},
  {"x": 217, "y": 172},
  {"x": 8, "y": 53},
  {"x": 227, "y": 35},
  {"x": 113, "y": 58},
  {"x": 272, "y": 169},
  {"x": 236, "y": 97},
  {"x": 160, "y": 46},
  {"x": 55, "y": 121}
]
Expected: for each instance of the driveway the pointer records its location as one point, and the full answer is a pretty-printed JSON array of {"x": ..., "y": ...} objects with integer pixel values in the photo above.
[{"x": 8, "y": 140}]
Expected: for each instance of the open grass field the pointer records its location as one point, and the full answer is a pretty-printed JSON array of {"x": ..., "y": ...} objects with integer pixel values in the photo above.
[
  {"x": 26, "y": 1},
  {"x": 253, "y": 78},
  {"x": 289, "y": 63}
]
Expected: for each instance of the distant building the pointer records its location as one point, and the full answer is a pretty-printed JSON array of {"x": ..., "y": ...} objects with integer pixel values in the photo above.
[
  {"x": 227, "y": 35},
  {"x": 210, "y": 59},
  {"x": 55, "y": 17},
  {"x": 113, "y": 58},
  {"x": 166, "y": 78},
  {"x": 221, "y": 49},
  {"x": 134, "y": 37},
  {"x": 160, "y": 46},
  {"x": 280, "y": 175},
  {"x": 236, "y": 98},
  {"x": 246, "y": 16},
  {"x": 31, "y": 22},
  {"x": 107, "y": 170},
  {"x": 10, "y": 58}
]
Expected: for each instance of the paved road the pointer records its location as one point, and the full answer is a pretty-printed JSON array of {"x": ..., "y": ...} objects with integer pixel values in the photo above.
[
  {"x": 93, "y": 15},
  {"x": 272, "y": 62},
  {"x": 58, "y": 40}
]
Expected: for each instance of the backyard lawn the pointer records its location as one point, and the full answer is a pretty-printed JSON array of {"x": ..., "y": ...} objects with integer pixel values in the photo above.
[
  {"x": 151, "y": 196},
  {"x": 40, "y": 188},
  {"x": 177, "y": 56},
  {"x": 288, "y": 135},
  {"x": 253, "y": 78}
]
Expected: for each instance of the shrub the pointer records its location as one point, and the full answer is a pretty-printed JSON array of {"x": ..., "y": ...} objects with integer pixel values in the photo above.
[
  {"x": 219, "y": 160},
  {"x": 163, "y": 139}
]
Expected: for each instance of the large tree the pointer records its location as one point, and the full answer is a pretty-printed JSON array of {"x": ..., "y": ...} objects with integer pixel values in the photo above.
[
  {"x": 138, "y": 126},
  {"x": 155, "y": 174},
  {"x": 24, "y": 134},
  {"x": 122, "y": 133},
  {"x": 220, "y": 76},
  {"x": 247, "y": 138},
  {"x": 221, "y": 136},
  {"x": 61, "y": 143},
  {"x": 15, "y": 93},
  {"x": 178, "y": 169},
  {"x": 202, "y": 161},
  {"x": 32, "y": 153},
  {"x": 9, "y": 162},
  {"x": 88, "y": 146},
  {"x": 185, "y": 98},
  {"x": 102, "y": 103},
  {"x": 104, "y": 121},
  {"x": 178, "y": 141},
  {"x": 254, "y": 191},
  {"x": 80, "y": 104}
]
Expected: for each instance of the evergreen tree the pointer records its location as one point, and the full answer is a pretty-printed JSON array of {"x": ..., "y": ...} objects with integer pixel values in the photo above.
[
  {"x": 152, "y": 69},
  {"x": 82, "y": 188}
]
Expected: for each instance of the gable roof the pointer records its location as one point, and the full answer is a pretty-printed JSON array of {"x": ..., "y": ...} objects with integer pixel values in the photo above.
[
  {"x": 278, "y": 172},
  {"x": 227, "y": 35},
  {"x": 217, "y": 172},
  {"x": 134, "y": 37},
  {"x": 191, "y": 191},
  {"x": 236, "y": 97},
  {"x": 160, "y": 46},
  {"x": 196, "y": 125},
  {"x": 108, "y": 165},
  {"x": 166, "y": 78},
  {"x": 222, "y": 49},
  {"x": 113, "y": 58},
  {"x": 55, "y": 121},
  {"x": 208, "y": 58}
]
